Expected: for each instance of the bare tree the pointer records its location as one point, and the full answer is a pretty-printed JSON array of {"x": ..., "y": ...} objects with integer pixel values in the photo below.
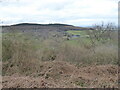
[{"x": 101, "y": 33}]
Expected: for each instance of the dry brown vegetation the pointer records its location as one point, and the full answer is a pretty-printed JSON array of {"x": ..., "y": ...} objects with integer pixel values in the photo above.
[
  {"x": 33, "y": 62},
  {"x": 57, "y": 74}
]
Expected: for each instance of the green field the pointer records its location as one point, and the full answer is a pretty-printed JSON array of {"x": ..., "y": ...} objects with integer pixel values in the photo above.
[{"x": 73, "y": 32}]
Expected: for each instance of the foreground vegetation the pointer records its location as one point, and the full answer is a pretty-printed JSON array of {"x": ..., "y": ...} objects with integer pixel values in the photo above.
[
  {"x": 29, "y": 55},
  {"x": 20, "y": 51}
]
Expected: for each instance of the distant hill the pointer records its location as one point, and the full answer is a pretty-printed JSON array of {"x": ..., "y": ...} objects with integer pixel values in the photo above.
[
  {"x": 34, "y": 27},
  {"x": 56, "y": 24}
]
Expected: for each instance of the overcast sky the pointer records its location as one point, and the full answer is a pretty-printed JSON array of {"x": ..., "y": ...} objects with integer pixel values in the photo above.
[{"x": 75, "y": 12}]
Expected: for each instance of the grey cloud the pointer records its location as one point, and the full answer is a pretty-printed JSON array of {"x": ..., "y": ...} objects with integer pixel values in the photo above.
[{"x": 76, "y": 12}]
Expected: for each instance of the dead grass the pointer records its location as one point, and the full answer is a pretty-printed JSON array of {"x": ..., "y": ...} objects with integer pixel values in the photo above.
[{"x": 57, "y": 74}]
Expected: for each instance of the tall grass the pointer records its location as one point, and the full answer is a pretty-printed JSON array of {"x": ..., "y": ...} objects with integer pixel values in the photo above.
[{"x": 24, "y": 54}]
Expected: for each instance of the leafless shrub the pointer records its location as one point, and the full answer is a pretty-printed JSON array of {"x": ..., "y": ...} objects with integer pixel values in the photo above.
[{"x": 102, "y": 33}]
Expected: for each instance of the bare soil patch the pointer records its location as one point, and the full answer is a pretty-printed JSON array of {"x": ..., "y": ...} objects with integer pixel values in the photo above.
[{"x": 60, "y": 74}]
